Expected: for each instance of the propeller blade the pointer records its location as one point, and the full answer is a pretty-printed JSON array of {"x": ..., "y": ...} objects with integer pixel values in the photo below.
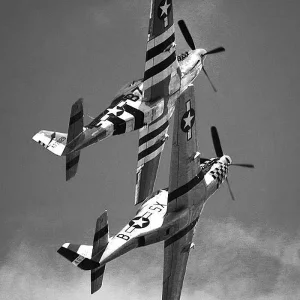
[
  {"x": 244, "y": 165},
  {"x": 204, "y": 71},
  {"x": 214, "y": 51},
  {"x": 186, "y": 34},
  {"x": 216, "y": 141},
  {"x": 229, "y": 188}
]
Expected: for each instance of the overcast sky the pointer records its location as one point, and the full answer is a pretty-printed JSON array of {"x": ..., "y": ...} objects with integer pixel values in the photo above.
[{"x": 53, "y": 52}]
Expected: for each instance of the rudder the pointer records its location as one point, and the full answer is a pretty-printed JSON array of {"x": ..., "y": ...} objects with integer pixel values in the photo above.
[
  {"x": 72, "y": 161},
  {"x": 101, "y": 237},
  {"x": 76, "y": 121},
  {"x": 74, "y": 131}
]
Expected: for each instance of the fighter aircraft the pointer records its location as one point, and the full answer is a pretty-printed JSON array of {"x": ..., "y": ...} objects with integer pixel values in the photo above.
[
  {"x": 145, "y": 104},
  {"x": 168, "y": 215}
]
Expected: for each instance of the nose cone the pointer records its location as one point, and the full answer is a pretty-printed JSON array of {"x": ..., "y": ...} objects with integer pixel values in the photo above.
[
  {"x": 200, "y": 52},
  {"x": 227, "y": 159}
]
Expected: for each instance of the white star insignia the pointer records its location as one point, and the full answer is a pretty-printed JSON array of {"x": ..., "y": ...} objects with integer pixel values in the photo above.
[
  {"x": 164, "y": 8},
  {"x": 115, "y": 111},
  {"x": 140, "y": 222},
  {"x": 188, "y": 120}
]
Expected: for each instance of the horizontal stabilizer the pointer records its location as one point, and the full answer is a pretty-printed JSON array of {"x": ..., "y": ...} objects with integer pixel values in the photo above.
[
  {"x": 52, "y": 141},
  {"x": 78, "y": 255}
]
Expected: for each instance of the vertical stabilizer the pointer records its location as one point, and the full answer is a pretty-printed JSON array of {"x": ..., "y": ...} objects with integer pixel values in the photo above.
[
  {"x": 74, "y": 131},
  {"x": 76, "y": 121},
  {"x": 100, "y": 242},
  {"x": 72, "y": 161}
]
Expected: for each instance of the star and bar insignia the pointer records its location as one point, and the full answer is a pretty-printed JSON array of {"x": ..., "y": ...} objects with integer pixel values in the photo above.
[
  {"x": 139, "y": 222},
  {"x": 163, "y": 11},
  {"x": 116, "y": 111},
  {"x": 188, "y": 120}
]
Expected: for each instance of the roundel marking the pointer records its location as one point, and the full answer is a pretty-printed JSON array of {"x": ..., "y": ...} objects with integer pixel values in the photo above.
[
  {"x": 164, "y": 9},
  {"x": 139, "y": 222},
  {"x": 116, "y": 111},
  {"x": 188, "y": 120}
]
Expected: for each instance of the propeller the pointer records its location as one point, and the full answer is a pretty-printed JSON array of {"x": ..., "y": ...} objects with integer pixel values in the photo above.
[
  {"x": 186, "y": 34},
  {"x": 230, "y": 190},
  {"x": 204, "y": 71},
  {"x": 219, "y": 153},
  {"x": 214, "y": 51},
  {"x": 216, "y": 141}
]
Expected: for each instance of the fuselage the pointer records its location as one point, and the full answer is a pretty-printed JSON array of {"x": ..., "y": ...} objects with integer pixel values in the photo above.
[
  {"x": 153, "y": 224},
  {"x": 128, "y": 111}
]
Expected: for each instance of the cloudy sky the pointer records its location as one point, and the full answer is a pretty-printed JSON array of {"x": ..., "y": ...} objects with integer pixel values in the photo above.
[{"x": 53, "y": 52}]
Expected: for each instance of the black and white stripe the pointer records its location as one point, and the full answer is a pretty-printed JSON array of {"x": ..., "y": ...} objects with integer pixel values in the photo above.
[
  {"x": 78, "y": 255},
  {"x": 152, "y": 140},
  {"x": 181, "y": 233},
  {"x": 160, "y": 58}
]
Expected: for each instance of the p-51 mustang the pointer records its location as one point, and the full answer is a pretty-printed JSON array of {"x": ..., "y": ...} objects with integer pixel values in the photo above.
[
  {"x": 146, "y": 104},
  {"x": 168, "y": 215}
]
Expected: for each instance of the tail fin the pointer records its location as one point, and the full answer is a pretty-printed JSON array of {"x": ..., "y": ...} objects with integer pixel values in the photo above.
[
  {"x": 74, "y": 131},
  {"x": 87, "y": 257},
  {"x": 72, "y": 161},
  {"x": 76, "y": 121},
  {"x": 52, "y": 141},
  {"x": 100, "y": 242}
]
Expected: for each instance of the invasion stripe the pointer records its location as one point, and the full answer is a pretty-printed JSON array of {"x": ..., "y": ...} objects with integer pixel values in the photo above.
[
  {"x": 160, "y": 67},
  {"x": 138, "y": 116},
  {"x": 155, "y": 124},
  {"x": 70, "y": 164},
  {"x": 153, "y": 155},
  {"x": 158, "y": 59},
  {"x": 119, "y": 124},
  {"x": 149, "y": 83},
  {"x": 76, "y": 117},
  {"x": 141, "y": 241},
  {"x": 160, "y": 47},
  {"x": 95, "y": 274},
  {"x": 101, "y": 233},
  {"x": 186, "y": 187},
  {"x": 159, "y": 39},
  {"x": 150, "y": 149},
  {"x": 181, "y": 233},
  {"x": 153, "y": 134},
  {"x": 88, "y": 264},
  {"x": 67, "y": 253}
]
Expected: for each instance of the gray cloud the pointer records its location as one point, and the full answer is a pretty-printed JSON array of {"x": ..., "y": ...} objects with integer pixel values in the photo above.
[{"x": 230, "y": 262}]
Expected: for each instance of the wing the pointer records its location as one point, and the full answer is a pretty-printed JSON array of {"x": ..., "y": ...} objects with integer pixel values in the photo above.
[
  {"x": 162, "y": 72},
  {"x": 176, "y": 254},
  {"x": 151, "y": 143},
  {"x": 185, "y": 170}
]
